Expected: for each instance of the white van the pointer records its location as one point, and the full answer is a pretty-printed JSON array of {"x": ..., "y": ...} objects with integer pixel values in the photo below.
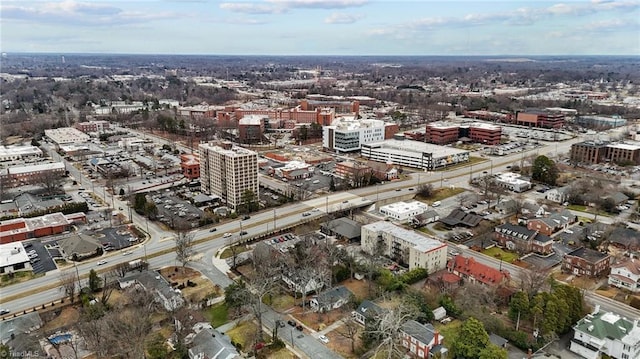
[{"x": 436, "y": 204}]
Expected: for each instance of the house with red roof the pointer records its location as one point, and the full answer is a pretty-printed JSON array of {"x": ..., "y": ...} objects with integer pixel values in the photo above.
[{"x": 471, "y": 270}]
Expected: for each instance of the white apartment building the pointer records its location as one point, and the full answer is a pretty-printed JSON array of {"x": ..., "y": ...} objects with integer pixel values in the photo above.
[
  {"x": 347, "y": 133},
  {"x": 410, "y": 247},
  {"x": 228, "y": 171},
  {"x": 606, "y": 333},
  {"x": 399, "y": 151},
  {"x": 512, "y": 182},
  {"x": 403, "y": 211},
  {"x": 626, "y": 275}
]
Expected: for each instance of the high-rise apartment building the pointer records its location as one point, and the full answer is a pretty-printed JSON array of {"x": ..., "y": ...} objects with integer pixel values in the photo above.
[{"x": 228, "y": 171}]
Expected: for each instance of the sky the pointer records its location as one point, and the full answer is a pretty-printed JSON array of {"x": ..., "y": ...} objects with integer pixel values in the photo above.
[{"x": 322, "y": 27}]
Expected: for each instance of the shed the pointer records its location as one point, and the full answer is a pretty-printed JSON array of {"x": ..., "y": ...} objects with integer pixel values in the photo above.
[{"x": 439, "y": 313}]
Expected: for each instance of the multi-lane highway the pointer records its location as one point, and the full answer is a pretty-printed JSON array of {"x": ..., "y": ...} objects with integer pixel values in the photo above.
[{"x": 159, "y": 248}]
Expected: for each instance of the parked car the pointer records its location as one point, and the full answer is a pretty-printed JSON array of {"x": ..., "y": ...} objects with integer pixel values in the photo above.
[
  {"x": 291, "y": 323},
  {"x": 299, "y": 327},
  {"x": 324, "y": 339}
]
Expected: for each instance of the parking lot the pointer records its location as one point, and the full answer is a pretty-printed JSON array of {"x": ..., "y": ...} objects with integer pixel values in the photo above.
[
  {"x": 172, "y": 209},
  {"x": 113, "y": 239},
  {"x": 42, "y": 261}
]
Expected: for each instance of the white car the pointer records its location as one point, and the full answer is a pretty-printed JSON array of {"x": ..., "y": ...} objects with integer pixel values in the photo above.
[
  {"x": 323, "y": 339},
  {"x": 102, "y": 262},
  {"x": 227, "y": 235},
  {"x": 126, "y": 253}
]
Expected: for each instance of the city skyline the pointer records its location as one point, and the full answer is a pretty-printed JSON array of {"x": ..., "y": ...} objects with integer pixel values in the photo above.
[{"x": 317, "y": 27}]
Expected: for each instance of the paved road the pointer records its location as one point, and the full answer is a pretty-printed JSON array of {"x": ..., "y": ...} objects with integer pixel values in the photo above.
[{"x": 266, "y": 221}]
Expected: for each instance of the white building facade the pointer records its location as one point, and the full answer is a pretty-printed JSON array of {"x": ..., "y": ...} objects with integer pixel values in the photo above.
[
  {"x": 347, "y": 134},
  {"x": 606, "y": 333},
  {"x": 403, "y": 211},
  {"x": 512, "y": 182},
  {"x": 399, "y": 151},
  {"x": 626, "y": 275},
  {"x": 410, "y": 247},
  {"x": 228, "y": 171}
]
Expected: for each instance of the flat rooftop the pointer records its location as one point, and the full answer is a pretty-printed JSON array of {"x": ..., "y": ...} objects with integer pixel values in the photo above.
[
  {"x": 419, "y": 242},
  {"x": 12, "y": 253},
  {"x": 399, "y": 146}
]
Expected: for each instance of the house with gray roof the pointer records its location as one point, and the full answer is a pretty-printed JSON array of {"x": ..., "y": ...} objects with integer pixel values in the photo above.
[
  {"x": 152, "y": 281},
  {"x": 80, "y": 246},
  {"x": 606, "y": 333},
  {"x": 422, "y": 340},
  {"x": 367, "y": 310},
  {"x": 522, "y": 239},
  {"x": 553, "y": 223},
  {"x": 425, "y": 218},
  {"x": 558, "y": 195},
  {"x": 618, "y": 198},
  {"x": 208, "y": 343},
  {"x": 342, "y": 228},
  {"x": 331, "y": 299}
]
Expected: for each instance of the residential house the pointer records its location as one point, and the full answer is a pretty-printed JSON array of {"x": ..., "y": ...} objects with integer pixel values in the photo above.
[
  {"x": 625, "y": 238},
  {"x": 508, "y": 206},
  {"x": 523, "y": 240},
  {"x": 626, "y": 275},
  {"x": 553, "y": 223},
  {"x": 208, "y": 343},
  {"x": 443, "y": 281},
  {"x": 618, "y": 198},
  {"x": 533, "y": 209},
  {"x": 171, "y": 299},
  {"x": 558, "y": 195},
  {"x": 425, "y": 218},
  {"x": 458, "y": 217},
  {"x": 606, "y": 333},
  {"x": 422, "y": 340},
  {"x": 342, "y": 228},
  {"x": 331, "y": 299},
  {"x": 367, "y": 310},
  {"x": 469, "y": 269},
  {"x": 584, "y": 261},
  {"x": 383, "y": 171}
]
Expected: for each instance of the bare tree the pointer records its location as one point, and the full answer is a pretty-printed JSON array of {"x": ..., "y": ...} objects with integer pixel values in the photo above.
[
  {"x": 425, "y": 190},
  {"x": 386, "y": 327},
  {"x": 534, "y": 280},
  {"x": 106, "y": 290},
  {"x": 184, "y": 247},
  {"x": 349, "y": 330},
  {"x": 232, "y": 244},
  {"x": 50, "y": 181},
  {"x": 68, "y": 282}
]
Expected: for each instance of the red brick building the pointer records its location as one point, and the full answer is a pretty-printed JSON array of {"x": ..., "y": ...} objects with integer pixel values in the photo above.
[
  {"x": 348, "y": 169},
  {"x": 539, "y": 118},
  {"x": 251, "y": 128},
  {"x": 441, "y": 133},
  {"x": 445, "y": 133},
  {"x": 475, "y": 272},
  {"x": 422, "y": 340},
  {"x": 584, "y": 261},
  {"x": 522, "y": 239},
  {"x": 19, "y": 229},
  {"x": 190, "y": 165},
  {"x": 485, "y": 133},
  {"x": 92, "y": 126}
]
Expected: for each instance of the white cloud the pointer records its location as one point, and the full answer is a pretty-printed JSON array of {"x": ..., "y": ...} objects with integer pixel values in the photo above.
[
  {"x": 320, "y": 4},
  {"x": 342, "y": 18},
  {"x": 75, "y": 13},
  {"x": 611, "y": 25},
  {"x": 253, "y": 8}
]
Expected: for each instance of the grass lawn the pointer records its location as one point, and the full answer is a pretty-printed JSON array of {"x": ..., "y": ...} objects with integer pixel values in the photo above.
[
  {"x": 449, "y": 331},
  {"x": 577, "y": 207},
  {"x": 445, "y": 192},
  {"x": 584, "y": 219},
  {"x": 244, "y": 333},
  {"x": 279, "y": 302},
  {"x": 227, "y": 253},
  {"x": 218, "y": 314},
  {"x": 17, "y": 277},
  {"x": 282, "y": 354},
  {"x": 499, "y": 253}
]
